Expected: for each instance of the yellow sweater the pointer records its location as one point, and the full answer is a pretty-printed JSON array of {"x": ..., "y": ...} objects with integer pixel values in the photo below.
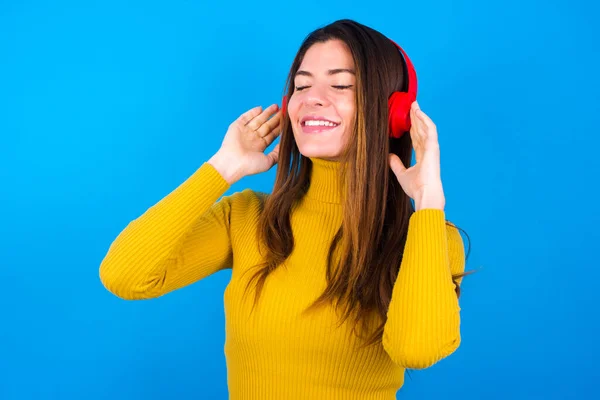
[{"x": 277, "y": 354}]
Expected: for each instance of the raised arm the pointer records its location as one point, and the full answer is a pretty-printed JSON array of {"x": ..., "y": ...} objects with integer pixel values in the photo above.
[
  {"x": 185, "y": 236},
  {"x": 180, "y": 240}
]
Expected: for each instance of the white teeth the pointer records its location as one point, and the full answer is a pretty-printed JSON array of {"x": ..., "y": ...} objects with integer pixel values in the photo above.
[{"x": 319, "y": 123}]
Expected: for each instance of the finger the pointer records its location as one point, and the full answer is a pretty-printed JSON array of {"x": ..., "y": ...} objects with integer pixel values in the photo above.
[
  {"x": 417, "y": 136},
  {"x": 414, "y": 128},
  {"x": 415, "y": 106},
  {"x": 273, "y": 134},
  {"x": 421, "y": 126},
  {"x": 396, "y": 164},
  {"x": 262, "y": 117},
  {"x": 431, "y": 132},
  {"x": 269, "y": 125},
  {"x": 248, "y": 115},
  {"x": 428, "y": 128},
  {"x": 414, "y": 109},
  {"x": 274, "y": 155}
]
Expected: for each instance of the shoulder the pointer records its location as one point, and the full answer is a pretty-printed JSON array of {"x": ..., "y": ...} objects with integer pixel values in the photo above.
[
  {"x": 433, "y": 221},
  {"x": 246, "y": 197},
  {"x": 456, "y": 249},
  {"x": 452, "y": 231},
  {"x": 244, "y": 203},
  {"x": 455, "y": 241}
]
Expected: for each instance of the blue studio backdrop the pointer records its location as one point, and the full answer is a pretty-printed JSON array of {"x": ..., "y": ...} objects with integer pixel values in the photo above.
[{"x": 106, "y": 107}]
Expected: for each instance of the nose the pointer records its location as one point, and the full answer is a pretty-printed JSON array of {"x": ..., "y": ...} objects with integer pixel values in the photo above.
[{"x": 315, "y": 96}]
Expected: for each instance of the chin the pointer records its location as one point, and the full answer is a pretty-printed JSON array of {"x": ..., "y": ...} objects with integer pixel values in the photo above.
[
  {"x": 318, "y": 152},
  {"x": 317, "y": 149}
]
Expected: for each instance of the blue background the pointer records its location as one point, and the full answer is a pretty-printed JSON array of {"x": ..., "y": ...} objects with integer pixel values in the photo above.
[{"x": 105, "y": 108}]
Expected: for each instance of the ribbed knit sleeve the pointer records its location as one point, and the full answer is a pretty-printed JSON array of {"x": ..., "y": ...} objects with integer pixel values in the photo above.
[
  {"x": 423, "y": 320},
  {"x": 179, "y": 240}
]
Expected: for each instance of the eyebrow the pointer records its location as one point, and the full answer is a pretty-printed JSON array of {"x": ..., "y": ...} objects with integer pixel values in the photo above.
[{"x": 329, "y": 72}]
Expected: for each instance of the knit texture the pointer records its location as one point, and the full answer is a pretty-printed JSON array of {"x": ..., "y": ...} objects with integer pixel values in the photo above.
[{"x": 275, "y": 353}]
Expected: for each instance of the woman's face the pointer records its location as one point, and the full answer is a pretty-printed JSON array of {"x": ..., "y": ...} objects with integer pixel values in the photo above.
[{"x": 322, "y": 107}]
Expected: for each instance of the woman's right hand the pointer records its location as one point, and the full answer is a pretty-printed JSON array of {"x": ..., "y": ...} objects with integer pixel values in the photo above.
[{"x": 242, "y": 152}]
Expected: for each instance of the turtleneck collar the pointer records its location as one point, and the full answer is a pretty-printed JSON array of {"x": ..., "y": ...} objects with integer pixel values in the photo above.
[{"x": 324, "y": 184}]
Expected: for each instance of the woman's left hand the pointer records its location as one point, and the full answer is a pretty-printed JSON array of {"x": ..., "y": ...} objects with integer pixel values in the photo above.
[{"x": 422, "y": 181}]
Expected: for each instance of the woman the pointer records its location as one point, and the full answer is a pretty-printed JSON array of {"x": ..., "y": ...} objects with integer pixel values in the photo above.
[{"x": 352, "y": 285}]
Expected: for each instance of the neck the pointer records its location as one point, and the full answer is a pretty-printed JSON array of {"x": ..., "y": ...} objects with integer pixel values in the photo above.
[{"x": 324, "y": 182}]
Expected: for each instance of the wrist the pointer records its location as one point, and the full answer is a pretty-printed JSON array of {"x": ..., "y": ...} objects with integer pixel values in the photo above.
[
  {"x": 228, "y": 169},
  {"x": 438, "y": 205},
  {"x": 430, "y": 199}
]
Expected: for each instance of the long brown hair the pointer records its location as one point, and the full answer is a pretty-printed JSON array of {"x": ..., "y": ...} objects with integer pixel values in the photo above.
[{"x": 365, "y": 255}]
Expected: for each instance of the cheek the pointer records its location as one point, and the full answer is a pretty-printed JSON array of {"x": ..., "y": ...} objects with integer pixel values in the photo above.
[
  {"x": 347, "y": 110},
  {"x": 346, "y": 106},
  {"x": 293, "y": 107}
]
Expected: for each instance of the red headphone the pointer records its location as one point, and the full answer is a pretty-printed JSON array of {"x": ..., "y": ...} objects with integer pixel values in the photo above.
[{"x": 399, "y": 103}]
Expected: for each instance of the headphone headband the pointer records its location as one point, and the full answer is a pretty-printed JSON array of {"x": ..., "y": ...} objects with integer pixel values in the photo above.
[
  {"x": 399, "y": 103},
  {"x": 412, "y": 75}
]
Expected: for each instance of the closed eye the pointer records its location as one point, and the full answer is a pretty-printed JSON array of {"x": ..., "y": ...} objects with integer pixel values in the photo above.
[{"x": 340, "y": 87}]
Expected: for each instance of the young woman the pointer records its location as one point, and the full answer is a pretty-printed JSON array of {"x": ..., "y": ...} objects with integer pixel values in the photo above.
[{"x": 351, "y": 283}]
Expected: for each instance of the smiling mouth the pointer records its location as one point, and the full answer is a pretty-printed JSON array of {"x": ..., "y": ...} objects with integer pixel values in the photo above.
[
  {"x": 321, "y": 126},
  {"x": 319, "y": 123}
]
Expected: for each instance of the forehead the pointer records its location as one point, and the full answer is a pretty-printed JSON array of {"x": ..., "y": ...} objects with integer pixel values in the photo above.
[{"x": 327, "y": 55}]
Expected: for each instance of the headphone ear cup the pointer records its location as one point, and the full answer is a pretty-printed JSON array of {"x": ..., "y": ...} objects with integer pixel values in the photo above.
[
  {"x": 399, "y": 104},
  {"x": 284, "y": 105}
]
